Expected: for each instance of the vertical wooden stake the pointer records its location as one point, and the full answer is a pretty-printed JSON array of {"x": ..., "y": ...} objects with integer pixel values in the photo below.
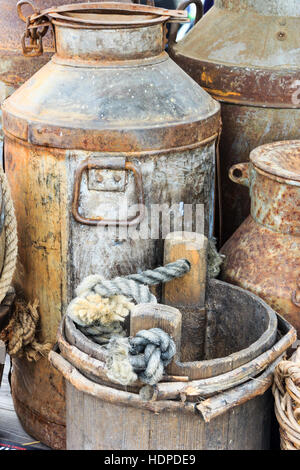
[
  {"x": 146, "y": 316},
  {"x": 188, "y": 293}
]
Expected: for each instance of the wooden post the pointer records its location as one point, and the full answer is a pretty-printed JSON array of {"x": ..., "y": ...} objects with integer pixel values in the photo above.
[
  {"x": 188, "y": 292},
  {"x": 146, "y": 316}
]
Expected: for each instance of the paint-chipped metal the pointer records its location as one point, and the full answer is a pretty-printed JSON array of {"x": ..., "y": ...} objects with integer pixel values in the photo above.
[
  {"x": 100, "y": 125},
  {"x": 263, "y": 255},
  {"x": 246, "y": 54}
]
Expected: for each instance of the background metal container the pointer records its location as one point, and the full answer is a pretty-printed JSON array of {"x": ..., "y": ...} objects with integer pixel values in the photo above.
[
  {"x": 110, "y": 119},
  {"x": 246, "y": 54},
  {"x": 15, "y": 69},
  {"x": 263, "y": 255}
]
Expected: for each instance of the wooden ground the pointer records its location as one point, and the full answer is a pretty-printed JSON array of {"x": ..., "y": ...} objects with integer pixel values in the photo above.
[{"x": 10, "y": 427}]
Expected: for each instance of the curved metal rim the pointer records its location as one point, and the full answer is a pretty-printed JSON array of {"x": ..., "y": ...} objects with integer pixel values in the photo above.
[
  {"x": 70, "y": 22},
  {"x": 263, "y": 343},
  {"x": 265, "y": 149}
]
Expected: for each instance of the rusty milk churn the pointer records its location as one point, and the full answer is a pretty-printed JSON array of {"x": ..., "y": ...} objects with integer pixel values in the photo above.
[
  {"x": 15, "y": 69},
  {"x": 110, "y": 123},
  {"x": 263, "y": 255},
  {"x": 246, "y": 54}
]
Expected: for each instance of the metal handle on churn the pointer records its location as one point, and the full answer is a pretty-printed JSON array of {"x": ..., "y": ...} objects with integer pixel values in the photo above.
[
  {"x": 108, "y": 164},
  {"x": 243, "y": 174}
]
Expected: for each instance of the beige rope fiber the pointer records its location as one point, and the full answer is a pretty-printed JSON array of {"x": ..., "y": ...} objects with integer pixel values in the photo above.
[
  {"x": 11, "y": 238},
  {"x": 19, "y": 335},
  {"x": 286, "y": 391}
]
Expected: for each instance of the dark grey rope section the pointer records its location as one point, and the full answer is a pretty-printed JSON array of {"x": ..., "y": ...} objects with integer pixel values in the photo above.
[
  {"x": 142, "y": 357},
  {"x": 124, "y": 286},
  {"x": 162, "y": 274},
  {"x": 150, "y": 352}
]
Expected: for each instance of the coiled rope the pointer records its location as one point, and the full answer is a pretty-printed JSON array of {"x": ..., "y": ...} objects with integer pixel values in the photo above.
[
  {"x": 143, "y": 357},
  {"x": 100, "y": 318},
  {"x": 20, "y": 334}
]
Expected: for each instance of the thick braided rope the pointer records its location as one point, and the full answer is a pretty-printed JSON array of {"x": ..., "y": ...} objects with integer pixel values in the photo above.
[
  {"x": 11, "y": 238},
  {"x": 286, "y": 391},
  {"x": 162, "y": 274},
  {"x": 123, "y": 286},
  {"x": 19, "y": 334},
  {"x": 133, "y": 286},
  {"x": 150, "y": 352},
  {"x": 142, "y": 357}
]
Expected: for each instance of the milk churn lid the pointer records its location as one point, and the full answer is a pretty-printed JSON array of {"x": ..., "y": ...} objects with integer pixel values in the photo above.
[
  {"x": 101, "y": 14},
  {"x": 279, "y": 159},
  {"x": 108, "y": 88}
]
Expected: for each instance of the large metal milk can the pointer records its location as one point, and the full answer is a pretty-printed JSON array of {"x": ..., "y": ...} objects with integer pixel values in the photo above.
[
  {"x": 246, "y": 54},
  {"x": 100, "y": 143},
  {"x": 15, "y": 69},
  {"x": 263, "y": 255}
]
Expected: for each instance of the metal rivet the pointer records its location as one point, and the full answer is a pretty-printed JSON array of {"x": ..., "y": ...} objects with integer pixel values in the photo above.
[
  {"x": 99, "y": 178},
  {"x": 281, "y": 35},
  {"x": 117, "y": 178}
]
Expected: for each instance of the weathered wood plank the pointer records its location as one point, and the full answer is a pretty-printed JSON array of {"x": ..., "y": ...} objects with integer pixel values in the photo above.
[
  {"x": 188, "y": 292},
  {"x": 98, "y": 425},
  {"x": 10, "y": 426}
]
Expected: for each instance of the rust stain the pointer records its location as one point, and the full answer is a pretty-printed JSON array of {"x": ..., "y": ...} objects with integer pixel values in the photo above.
[
  {"x": 239, "y": 58},
  {"x": 263, "y": 255},
  {"x": 52, "y": 126},
  {"x": 222, "y": 93}
]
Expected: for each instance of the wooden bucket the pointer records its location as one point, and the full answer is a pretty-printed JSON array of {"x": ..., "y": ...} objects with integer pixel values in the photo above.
[
  {"x": 216, "y": 391},
  {"x": 235, "y": 411}
]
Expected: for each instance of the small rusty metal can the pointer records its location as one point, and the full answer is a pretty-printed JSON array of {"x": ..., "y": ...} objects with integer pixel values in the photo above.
[
  {"x": 246, "y": 54},
  {"x": 263, "y": 255},
  {"x": 110, "y": 123}
]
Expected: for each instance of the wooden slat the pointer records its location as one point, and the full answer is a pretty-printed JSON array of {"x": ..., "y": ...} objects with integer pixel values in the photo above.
[
  {"x": 188, "y": 292},
  {"x": 10, "y": 427}
]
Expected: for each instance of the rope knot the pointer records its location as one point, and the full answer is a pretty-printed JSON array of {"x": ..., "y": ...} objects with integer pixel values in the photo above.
[{"x": 148, "y": 353}]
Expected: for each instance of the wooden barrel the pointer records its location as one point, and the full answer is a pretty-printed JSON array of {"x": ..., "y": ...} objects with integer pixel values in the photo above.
[{"x": 235, "y": 414}]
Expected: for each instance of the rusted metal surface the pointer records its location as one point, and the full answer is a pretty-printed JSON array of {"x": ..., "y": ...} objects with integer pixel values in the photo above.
[
  {"x": 37, "y": 25},
  {"x": 87, "y": 105},
  {"x": 14, "y": 68},
  {"x": 246, "y": 55},
  {"x": 263, "y": 255}
]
